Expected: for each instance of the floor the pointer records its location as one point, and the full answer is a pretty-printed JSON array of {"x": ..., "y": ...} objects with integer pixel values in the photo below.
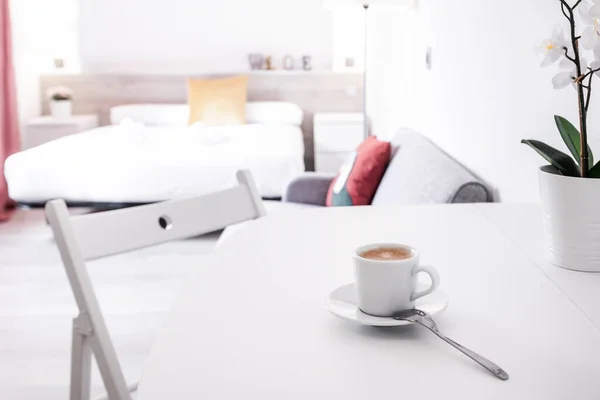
[{"x": 36, "y": 305}]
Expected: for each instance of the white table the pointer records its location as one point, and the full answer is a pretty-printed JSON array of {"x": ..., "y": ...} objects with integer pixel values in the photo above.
[
  {"x": 252, "y": 324},
  {"x": 522, "y": 225}
]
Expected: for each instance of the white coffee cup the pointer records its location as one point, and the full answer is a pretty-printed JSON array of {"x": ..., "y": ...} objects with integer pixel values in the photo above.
[{"x": 385, "y": 287}]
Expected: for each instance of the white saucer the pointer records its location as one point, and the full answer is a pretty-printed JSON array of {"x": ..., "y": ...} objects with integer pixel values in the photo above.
[{"x": 342, "y": 303}]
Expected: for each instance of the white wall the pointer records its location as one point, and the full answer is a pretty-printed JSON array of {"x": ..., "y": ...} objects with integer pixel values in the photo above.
[
  {"x": 25, "y": 75},
  {"x": 200, "y": 36},
  {"x": 41, "y": 30},
  {"x": 396, "y": 69},
  {"x": 486, "y": 91}
]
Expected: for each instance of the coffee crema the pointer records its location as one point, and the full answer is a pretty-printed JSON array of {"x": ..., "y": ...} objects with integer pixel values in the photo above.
[{"x": 387, "y": 254}]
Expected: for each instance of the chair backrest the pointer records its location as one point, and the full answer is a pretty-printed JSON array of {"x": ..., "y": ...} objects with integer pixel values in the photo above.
[
  {"x": 112, "y": 232},
  {"x": 97, "y": 235}
]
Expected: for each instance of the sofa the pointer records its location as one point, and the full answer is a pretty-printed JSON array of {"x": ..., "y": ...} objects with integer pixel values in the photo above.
[{"x": 419, "y": 172}]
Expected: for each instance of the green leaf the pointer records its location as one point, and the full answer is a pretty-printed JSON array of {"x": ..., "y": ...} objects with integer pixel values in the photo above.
[
  {"x": 558, "y": 159},
  {"x": 594, "y": 172},
  {"x": 572, "y": 139}
]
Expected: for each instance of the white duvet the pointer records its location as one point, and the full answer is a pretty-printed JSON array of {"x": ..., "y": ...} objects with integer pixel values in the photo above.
[{"x": 133, "y": 163}]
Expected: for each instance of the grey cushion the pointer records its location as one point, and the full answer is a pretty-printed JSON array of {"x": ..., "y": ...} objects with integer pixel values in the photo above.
[
  {"x": 421, "y": 173},
  {"x": 309, "y": 188}
]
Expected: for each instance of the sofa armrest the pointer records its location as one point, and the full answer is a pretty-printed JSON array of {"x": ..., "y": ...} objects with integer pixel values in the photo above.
[
  {"x": 309, "y": 188},
  {"x": 473, "y": 192}
]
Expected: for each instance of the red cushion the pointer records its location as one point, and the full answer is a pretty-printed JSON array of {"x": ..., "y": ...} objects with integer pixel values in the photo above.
[{"x": 359, "y": 177}]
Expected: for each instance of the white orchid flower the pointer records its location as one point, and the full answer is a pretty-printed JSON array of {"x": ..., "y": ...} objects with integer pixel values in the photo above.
[
  {"x": 595, "y": 65},
  {"x": 590, "y": 14},
  {"x": 584, "y": 10},
  {"x": 569, "y": 73},
  {"x": 554, "y": 48}
]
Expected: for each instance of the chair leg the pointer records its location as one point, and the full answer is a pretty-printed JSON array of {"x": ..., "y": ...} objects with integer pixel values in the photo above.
[
  {"x": 81, "y": 360},
  {"x": 133, "y": 387}
]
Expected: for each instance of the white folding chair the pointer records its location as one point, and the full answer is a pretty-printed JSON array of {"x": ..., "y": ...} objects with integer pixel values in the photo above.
[{"x": 92, "y": 236}]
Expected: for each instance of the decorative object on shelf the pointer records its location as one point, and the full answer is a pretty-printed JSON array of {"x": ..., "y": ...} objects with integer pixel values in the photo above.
[
  {"x": 269, "y": 63},
  {"x": 256, "y": 61},
  {"x": 349, "y": 62},
  {"x": 288, "y": 62},
  {"x": 61, "y": 101},
  {"x": 365, "y": 4},
  {"x": 570, "y": 188},
  {"x": 59, "y": 63},
  {"x": 307, "y": 63}
]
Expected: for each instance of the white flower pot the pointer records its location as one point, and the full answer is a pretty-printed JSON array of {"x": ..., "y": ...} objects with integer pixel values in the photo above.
[
  {"x": 61, "y": 108},
  {"x": 571, "y": 215}
]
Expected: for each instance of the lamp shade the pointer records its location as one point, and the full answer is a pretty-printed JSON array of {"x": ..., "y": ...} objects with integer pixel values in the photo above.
[{"x": 331, "y": 4}]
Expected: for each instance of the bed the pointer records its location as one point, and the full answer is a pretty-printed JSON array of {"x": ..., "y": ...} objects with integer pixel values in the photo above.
[{"x": 149, "y": 155}]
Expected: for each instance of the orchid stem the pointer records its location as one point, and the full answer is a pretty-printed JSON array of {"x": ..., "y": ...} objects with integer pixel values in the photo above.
[
  {"x": 562, "y": 7},
  {"x": 589, "y": 93},
  {"x": 567, "y": 55},
  {"x": 584, "y": 157}
]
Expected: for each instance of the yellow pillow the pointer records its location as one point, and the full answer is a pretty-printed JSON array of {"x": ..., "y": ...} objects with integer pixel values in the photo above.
[{"x": 218, "y": 101}]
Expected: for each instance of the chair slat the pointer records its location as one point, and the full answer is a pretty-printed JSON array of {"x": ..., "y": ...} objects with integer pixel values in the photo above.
[{"x": 113, "y": 232}]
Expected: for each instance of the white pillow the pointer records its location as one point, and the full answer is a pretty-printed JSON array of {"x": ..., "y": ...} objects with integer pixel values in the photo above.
[
  {"x": 151, "y": 114},
  {"x": 260, "y": 112}
]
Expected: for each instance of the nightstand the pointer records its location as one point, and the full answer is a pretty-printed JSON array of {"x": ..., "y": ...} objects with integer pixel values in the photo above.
[
  {"x": 44, "y": 129},
  {"x": 336, "y": 136}
]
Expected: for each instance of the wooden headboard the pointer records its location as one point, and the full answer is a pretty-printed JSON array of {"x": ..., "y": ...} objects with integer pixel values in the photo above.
[{"x": 312, "y": 91}]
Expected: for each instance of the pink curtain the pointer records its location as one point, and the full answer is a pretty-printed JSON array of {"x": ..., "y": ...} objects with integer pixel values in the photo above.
[{"x": 9, "y": 125}]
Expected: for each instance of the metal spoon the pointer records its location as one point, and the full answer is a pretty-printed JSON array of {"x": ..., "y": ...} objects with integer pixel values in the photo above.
[{"x": 424, "y": 319}]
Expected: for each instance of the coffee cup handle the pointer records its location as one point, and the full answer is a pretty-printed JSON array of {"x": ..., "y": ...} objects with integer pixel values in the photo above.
[{"x": 435, "y": 280}]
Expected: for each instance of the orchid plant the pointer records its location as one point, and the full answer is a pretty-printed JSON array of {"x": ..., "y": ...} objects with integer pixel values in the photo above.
[{"x": 576, "y": 72}]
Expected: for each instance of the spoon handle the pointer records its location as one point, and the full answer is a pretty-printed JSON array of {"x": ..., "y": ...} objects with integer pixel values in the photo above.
[{"x": 484, "y": 362}]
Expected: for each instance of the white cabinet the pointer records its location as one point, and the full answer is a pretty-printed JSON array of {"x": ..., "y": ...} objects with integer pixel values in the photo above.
[
  {"x": 44, "y": 129},
  {"x": 336, "y": 136}
]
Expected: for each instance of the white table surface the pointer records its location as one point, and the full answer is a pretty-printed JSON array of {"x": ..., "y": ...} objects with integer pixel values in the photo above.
[
  {"x": 522, "y": 225},
  {"x": 252, "y": 322}
]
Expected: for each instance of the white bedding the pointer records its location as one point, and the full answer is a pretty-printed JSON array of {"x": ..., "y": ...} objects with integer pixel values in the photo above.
[{"x": 132, "y": 163}]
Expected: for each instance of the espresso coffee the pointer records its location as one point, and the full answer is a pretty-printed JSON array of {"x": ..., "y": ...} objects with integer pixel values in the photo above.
[{"x": 387, "y": 254}]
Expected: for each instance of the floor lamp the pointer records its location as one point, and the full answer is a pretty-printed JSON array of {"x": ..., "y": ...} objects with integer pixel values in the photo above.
[{"x": 366, "y": 4}]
